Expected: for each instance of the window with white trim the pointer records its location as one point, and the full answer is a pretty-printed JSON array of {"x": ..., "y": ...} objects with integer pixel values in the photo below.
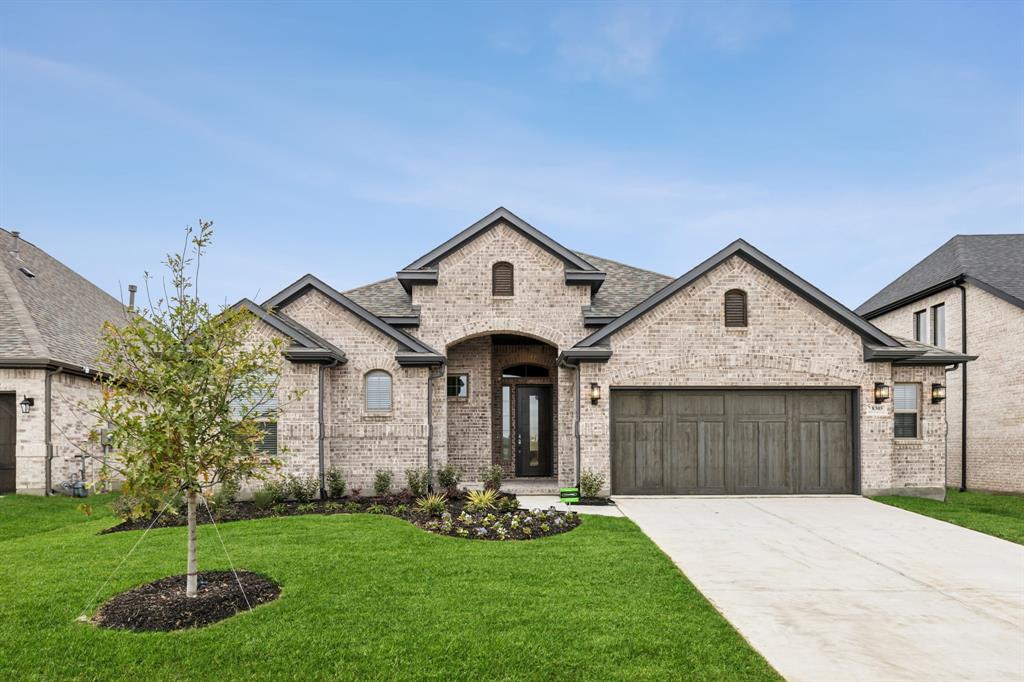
[
  {"x": 458, "y": 385},
  {"x": 378, "y": 391},
  {"x": 906, "y": 403}
]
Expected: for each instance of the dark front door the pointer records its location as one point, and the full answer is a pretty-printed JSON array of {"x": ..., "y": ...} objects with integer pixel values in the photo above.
[
  {"x": 533, "y": 430},
  {"x": 8, "y": 426},
  {"x": 732, "y": 442}
]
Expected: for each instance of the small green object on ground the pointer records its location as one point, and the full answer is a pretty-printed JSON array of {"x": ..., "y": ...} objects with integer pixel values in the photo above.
[
  {"x": 998, "y": 515},
  {"x": 569, "y": 495}
]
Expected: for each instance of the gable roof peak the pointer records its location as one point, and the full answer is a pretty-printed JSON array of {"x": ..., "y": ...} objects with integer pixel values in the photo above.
[{"x": 430, "y": 259}]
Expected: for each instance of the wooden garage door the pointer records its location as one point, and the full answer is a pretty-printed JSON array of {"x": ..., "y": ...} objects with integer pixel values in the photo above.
[{"x": 681, "y": 442}]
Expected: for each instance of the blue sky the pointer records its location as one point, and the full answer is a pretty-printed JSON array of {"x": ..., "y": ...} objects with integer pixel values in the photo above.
[{"x": 845, "y": 140}]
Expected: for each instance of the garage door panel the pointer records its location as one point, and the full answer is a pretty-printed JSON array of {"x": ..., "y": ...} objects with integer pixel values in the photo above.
[
  {"x": 696, "y": 456},
  {"x": 694, "y": 404},
  {"x": 650, "y": 460},
  {"x": 824, "y": 404},
  {"x": 835, "y": 439}
]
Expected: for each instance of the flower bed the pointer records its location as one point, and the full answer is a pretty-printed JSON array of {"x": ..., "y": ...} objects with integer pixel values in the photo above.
[
  {"x": 504, "y": 522},
  {"x": 521, "y": 524}
]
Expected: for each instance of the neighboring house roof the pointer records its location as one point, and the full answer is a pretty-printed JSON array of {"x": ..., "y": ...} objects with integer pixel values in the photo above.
[
  {"x": 412, "y": 351},
  {"x": 758, "y": 259},
  {"x": 49, "y": 314},
  {"x": 995, "y": 262},
  {"x": 307, "y": 346}
]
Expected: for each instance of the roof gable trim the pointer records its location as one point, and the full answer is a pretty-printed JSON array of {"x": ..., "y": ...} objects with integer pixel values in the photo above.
[{"x": 767, "y": 265}]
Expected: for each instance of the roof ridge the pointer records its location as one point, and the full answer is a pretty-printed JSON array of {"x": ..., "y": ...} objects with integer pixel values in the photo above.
[
  {"x": 586, "y": 255},
  {"x": 21, "y": 312}
]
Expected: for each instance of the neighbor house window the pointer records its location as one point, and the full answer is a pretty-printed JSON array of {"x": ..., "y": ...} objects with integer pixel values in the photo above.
[
  {"x": 735, "y": 308},
  {"x": 939, "y": 325},
  {"x": 905, "y": 401},
  {"x": 378, "y": 390},
  {"x": 458, "y": 385},
  {"x": 502, "y": 283},
  {"x": 920, "y": 327}
]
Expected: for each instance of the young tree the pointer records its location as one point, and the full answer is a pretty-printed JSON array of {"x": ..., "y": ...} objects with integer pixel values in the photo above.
[{"x": 187, "y": 393}]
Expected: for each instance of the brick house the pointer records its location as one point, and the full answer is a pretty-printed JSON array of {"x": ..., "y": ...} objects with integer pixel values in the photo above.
[
  {"x": 50, "y": 323},
  {"x": 968, "y": 296},
  {"x": 503, "y": 347}
]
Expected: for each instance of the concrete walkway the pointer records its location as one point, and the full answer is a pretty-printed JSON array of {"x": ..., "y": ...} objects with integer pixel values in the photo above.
[
  {"x": 843, "y": 588},
  {"x": 548, "y": 501}
]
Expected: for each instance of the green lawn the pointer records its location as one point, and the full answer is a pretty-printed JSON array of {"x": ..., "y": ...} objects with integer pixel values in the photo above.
[
  {"x": 998, "y": 515},
  {"x": 368, "y": 597}
]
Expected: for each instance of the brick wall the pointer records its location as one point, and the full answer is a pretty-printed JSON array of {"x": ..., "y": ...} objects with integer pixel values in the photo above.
[
  {"x": 469, "y": 419},
  {"x": 683, "y": 342},
  {"x": 995, "y": 385}
]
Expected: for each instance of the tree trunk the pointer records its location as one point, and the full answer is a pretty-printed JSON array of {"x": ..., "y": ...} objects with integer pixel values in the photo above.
[{"x": 190, "y": 584}]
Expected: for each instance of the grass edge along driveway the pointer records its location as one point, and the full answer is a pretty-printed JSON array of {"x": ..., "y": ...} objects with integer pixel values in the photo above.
[
  {"x": 999, "y": 515},
  {"x": 368, "y": 597}
]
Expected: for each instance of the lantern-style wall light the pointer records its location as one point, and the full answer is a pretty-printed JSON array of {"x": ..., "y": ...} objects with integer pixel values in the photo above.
[
  {"x": 26, "y": 405},
  {"x": 881, "y": 392},
  {"x": 938, "y": 393},
  {"x": 595, "y": 394}
]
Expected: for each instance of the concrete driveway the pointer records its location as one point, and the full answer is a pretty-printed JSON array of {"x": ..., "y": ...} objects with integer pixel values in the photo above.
[{"x": 843, "y": 588}]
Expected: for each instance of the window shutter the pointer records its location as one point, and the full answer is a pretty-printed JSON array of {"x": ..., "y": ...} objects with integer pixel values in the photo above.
[
  {"x": 502, "y": 280},
  {"x": 735, "y": 308},
  {"x": 378, "y": 390}
]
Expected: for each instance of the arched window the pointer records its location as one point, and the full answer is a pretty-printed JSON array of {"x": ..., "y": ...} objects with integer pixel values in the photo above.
[
  {"x": 378, "y": 390},
  {"x": 524, "y": 372},
  {"x": 735, "y": 308},
  {"x": 502, "y": 281}
]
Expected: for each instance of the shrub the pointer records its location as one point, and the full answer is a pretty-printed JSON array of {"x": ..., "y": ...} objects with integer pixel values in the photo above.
[
  {"x": 127, "y": 508},
  {"x": 227, "y": 493},
  {"x": 335, "y": 484},
  {"x": 433, "y": 505},
  {"x": 591, "y": 483},
  {"x": 307, "y": 508},
  {"x": 399, "y": 509},
  {"x": 491, "y": 477},
  {"x": 352, "y": 507},
  {"x": 377, "y": 509},
  {"x": 481, "y": 500},
  {"x": 276, "y": 490},
  {"x": 333, "y": 507},
  {"x": 507, "y": 504},
  {"x": 301, "y": 489},
  {"x": 382, "y": 482},
  {"x": 449, "y": 476},
  {"x": 264, "y": 498},
  {"x": 419, "y": 481}
]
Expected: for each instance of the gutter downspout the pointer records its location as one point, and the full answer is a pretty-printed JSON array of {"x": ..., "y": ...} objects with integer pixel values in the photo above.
[
  {"x": 963, "y": 386},
  {"x": 430, "y": 425},
  {"x": 322, "y": 428},
  {"x": 579, "y": 368},
  {"x": 48, "y": 429}
]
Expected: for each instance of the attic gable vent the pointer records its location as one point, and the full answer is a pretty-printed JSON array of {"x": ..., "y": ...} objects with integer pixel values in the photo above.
[
  {"x": 502, "y": 283},
  {"x": 28, "y": 273},
  {"x": 735, "y": 308}
]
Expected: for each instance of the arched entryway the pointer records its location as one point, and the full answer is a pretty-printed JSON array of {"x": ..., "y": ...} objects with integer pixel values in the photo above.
[{"x": 502, "y": 405}]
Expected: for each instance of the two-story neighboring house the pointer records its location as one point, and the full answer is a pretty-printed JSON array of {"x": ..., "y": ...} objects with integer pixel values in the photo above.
[{"x": 968, "y": 296}]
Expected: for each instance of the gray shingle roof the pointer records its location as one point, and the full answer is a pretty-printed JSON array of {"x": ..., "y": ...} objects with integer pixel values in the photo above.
[
  {"x": 993, "y": 259},
  {"x": 385, "y": 298},
  {"x": 624, "y": 287},
  {"x": 57, "y": 315}
]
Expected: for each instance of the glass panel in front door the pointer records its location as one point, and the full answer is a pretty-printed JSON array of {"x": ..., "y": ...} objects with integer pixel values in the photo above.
[{"x": 534, "y": 430}]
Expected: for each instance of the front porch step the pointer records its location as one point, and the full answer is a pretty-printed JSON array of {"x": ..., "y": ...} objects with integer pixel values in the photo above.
[{"x": 522, "y": 486}]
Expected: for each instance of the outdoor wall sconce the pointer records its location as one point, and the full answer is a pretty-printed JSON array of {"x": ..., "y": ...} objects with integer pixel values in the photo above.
[
  {"x": 595, "y": 394},
  {"x": 26, "y": 405},
  {"x": 938, "y": 393},
  {"x": 881, "y": 392}
]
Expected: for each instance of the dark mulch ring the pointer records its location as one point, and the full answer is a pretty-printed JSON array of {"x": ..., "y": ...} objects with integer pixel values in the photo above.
[
  {"x": 505, "y": 522},
  {"x": 162, "y": 604}
]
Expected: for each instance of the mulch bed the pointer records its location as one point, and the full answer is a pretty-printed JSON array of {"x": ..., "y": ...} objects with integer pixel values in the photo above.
[
  {"x": 162, "y": 604},
  {"x": 497, "y": 524},
  {"x": 595, "y": 502}
]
